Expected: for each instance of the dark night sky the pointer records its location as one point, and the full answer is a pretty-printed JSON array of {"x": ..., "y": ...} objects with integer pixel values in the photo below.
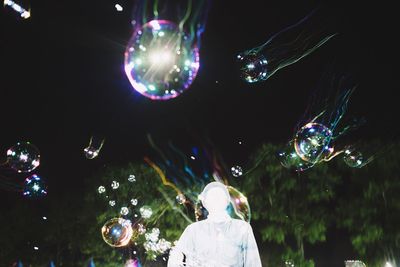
[{"x": 62, "y": 80}]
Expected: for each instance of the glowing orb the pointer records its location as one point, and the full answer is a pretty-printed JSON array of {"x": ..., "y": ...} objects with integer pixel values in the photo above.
[
  {"x": 117, "y": 232},
  {"x": 253, "y": 67},
  {"x": 161, "y": 61},
  {"x": 311, "y": 141},
  {"x": 34, "y": 186},
  {"x": 23, "y": 157}
]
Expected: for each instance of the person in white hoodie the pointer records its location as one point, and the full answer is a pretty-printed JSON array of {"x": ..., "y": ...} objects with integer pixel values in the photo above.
[{"x": 219, "y": 240}]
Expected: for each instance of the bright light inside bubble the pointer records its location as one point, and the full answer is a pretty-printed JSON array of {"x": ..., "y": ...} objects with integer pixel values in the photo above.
[{"x": 161, "y": 60}]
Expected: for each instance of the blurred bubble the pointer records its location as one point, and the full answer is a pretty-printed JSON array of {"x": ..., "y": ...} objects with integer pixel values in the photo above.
[
  {"x": 253, "y": 67},
  {"x": 181, "y": 199},
  {"x": 111, "y": 203},
  {"x": 117, "y": 232},
  {"x": 146, "y": 212},
  {"x": 23, "y": 157},
  {"x": 101, "y": 189},
  {"x": 94, "y": 147},
  {"x": 132, "y": 178},
  {"x": 160, "y": 60},
  {"x": 236, "y": 171},
  {"x": 114, "y": 185},
  {"x": 239, "y": 205},
  {"x": 134, "y": 201},
  {"x": 124, "y": 211},
  {"x": 311, "y": 141},
  {"x": 290, "y": 160},
  {"x": 34, "y": 186},
  {"x": 353, "y": 158}
]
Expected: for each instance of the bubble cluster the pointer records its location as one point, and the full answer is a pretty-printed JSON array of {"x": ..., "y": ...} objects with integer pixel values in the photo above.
[
  {"x": 23, "y": 157},
  {"x": 160, "y": 60},
  {"x": 117, "y": 232},
  {"x": 146, "y": 212}
]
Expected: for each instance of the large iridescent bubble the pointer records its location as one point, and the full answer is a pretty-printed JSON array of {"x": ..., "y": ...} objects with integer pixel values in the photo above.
[
  {"x": 34, "y": 187},
  {"x": 161, "y": 60},
  {"x": 239, "y": 206},
  {"x": 23, "y": 157},
  {"x": 117, "y": 232},
  {"x": 311, "y": 141}
]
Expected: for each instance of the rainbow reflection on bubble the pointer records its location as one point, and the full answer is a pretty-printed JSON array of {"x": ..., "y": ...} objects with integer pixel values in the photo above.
[
  {"x": 34, "y": 186},
  {"x": 161, "y": 61},
  {"x": 117, "y": 232},
  {"x": 239, "y": 203}
]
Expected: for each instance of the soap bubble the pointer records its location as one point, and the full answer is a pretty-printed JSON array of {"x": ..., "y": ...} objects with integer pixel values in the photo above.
[
  {"x": 117, "y": 232},
  {"x": 239, "y": 203},
  {"x": 111, "y": 203},
  {"x": 114, "y": 185},
  {"x": 311, "y": 141},
  {"x": 236, "y": 171},
  {"x": 94, "y": 147},
  {"x": 253, "y": 67},
  {"x": 23, "y": 157},
  {"x": 353, "y": 158},
  {"x": 101, "y": 189},
  {"x": 160, "y": 61},
  {"x": 132, "y": 178},
  {"x": 134, "y": 201},
  {"x": 34, "y": 186},
  {"x": 124, "y": 211},
  {"x": 291, "y": 160}
]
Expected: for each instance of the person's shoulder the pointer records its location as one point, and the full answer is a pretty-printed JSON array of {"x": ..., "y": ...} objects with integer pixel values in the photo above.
[{"x": 241, "y": 224}]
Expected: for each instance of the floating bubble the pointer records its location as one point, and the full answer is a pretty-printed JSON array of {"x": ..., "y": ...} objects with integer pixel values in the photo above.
[
  {"x": 290, "y": 160},
  {"x": 236, "y": 171},
  {"x": 111, "y": 203},
  {"x": 94, "y": 147},
  {"x": 117, "y": 232},
  {"x": 311, "y": 141},
  {"x": 124, "y": 211},
  {"x": 132, "y": 178},
  {"x": 161, "y": 60},
  {"x": 23, "y": 157},
  {"x": 253, "y": 67},
  {"x": 163, "y": 245},
  {"x": 114, "y": 185},
  {"x": 101, "y": 189},
  {"x": 34, "y": 186},
  {"x": 181, "y": 199},
  {"x": 353, "y": 158},
  {"x": 146, "y": 212},
  {"x": 134, "y": 201},
  {"x": 239, "y": 205}
]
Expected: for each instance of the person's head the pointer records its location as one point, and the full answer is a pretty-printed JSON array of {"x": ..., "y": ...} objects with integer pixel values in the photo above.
[{"x": 215, "y": 197}]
